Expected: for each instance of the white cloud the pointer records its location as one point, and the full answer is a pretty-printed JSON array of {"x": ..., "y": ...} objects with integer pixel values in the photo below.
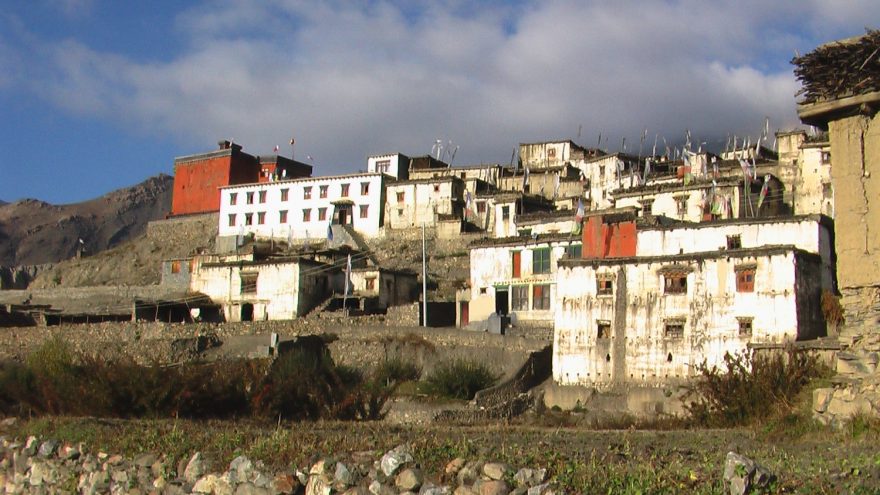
[{"x": 349, "y": 81}]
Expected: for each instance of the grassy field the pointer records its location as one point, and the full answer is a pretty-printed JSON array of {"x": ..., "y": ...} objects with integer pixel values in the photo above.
[{"x": 806, "y": 458}]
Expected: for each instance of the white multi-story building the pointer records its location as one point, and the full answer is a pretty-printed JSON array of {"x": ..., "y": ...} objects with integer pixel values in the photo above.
[
  {"x": 304, "y": 208},
  {"x": 394, "y": 164}
]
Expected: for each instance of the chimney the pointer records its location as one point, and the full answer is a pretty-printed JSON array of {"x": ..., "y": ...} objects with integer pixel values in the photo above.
[{"x": 224, "y": 144}]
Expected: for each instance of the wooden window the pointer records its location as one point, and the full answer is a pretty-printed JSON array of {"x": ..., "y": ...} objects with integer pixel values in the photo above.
[
  {"x": 261, "y": 217},
  {"x": 233, "y": 198},
  {"x": 682, "y": 203},
  {"x": 382, "y": 166},
  {"x": 604, "y": 285},
  {"x": 745, "y": 326},
  {"x": 322, "y": 214},
  {"x": 574, "y": 251},
  {"x": 371, "y": 283},
  {"x": 826, "y": 157},
  {"x": 675, "y": 283},
  {"x": 505, "y": 212},
  {"x": 603, "y": 329},
  {"x": 249, "y": 283},
  {"x": 520, "y": 296},
  {"x": 322, "y": 191},
  {"x": 541, "y": 296},
  {"x": 307, "y": 192},
  {"x": 262, "y": 196},
  {"x": 248, "y": 218},
  {"x": 674, "y": 329},
  {"x": 647, "y": 206},
  {"x": 232, "y": 219},
  {"x": 175, "y": 266},
  {"x": 365, "y": 211},
  {"x": 516, "y": 263},
  {"x": 734, "y": 242},
  {"x": 282, "y": 216},
  {"x": 481, "y": 207},
  {"x": 436, "y": 188},
  {"x": 400, "y": 197},
  {"x": 745, "y": 279},
  {"x": 284, "y": 194},
  {"x": 541, "y": 260},
  {"x": 344, "y": 191},
  {"x": 551, "y": 153},
  {"x": 307, "y": 215},
  {"x": 365, "y": 188},
  {"x": 249, "y": 198}
]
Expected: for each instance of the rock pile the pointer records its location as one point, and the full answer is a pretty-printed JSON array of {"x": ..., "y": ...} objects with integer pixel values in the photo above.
[
  {"x": 856, "y": 388},
  {"x": 50, "y": 467}
]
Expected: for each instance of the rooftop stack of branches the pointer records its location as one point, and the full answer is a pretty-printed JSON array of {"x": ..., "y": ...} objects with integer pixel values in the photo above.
[{"x": 840, "y": 69}]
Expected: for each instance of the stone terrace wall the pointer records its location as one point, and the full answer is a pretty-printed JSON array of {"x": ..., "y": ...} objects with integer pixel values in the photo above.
[
  {"x": 187, "y": 230},
  {"x": 358, "y": 343}
]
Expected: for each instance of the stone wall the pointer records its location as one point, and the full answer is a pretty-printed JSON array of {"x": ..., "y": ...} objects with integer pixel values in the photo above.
[
  {"x": 187, "y": 230},
  {"x": 355, "y": 342},
  {"x": 861, "y": 306}
]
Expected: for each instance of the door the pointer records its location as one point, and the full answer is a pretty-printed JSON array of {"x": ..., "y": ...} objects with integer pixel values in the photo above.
[
  {"x": 516, "y": 261},
  {"x": 502, "y": 301},
  {"x": 464, "y": 313}
]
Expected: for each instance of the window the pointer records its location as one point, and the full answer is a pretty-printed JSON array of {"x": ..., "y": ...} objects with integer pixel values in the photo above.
[
  {"x": 505, "y": 212},
  {"x": 307, "y": 192},
  {"x": 233, "y": 198},
  {"x": 674, "y": 329},
  {"x": 436, "y": 188},
  {"x": 175, "y": 266},
  {"x": 551, "y": 153},
  {"x": 307, "y": 215},
  {"x": 734, "y": 242},
  {"x": 371, "y": 283},
  {"x": 249, "y": 198},
  {"x": 365, "y": 211},
  {"x": 647, "y": 205},
  {"x": 400, "y": 197},
  {"x": 603, "y": 329},
  {"x": 282, "y": 216},
  {"x": 261, "y": 217},
  {"x": 344, "y": 190},
  {"x": 745, "y": 326},
  {"x": 481, "y": 207},
  {"x": 516, "y": 263},
  {"x": 574, "y": 251},
  {"x": 541, "y": 296},
  {"x": 284, "y": 194},
  {"x": 675, "y": 283},
  {"x": 604, "y": 285},
  {"x": 681, "y": 202},
  {"x": 745, "y": 278},
  {"x": 826, "y": 157},
  {"x": 520, "y": 295},
  {"x": 249, "y": 283},
  {"x": 541, "y": 260},
  {"x": 322, "y": 214},
  {"x": 232, "y": 219},
  {"x": 365, "y": 188},
  {"x": 382, "y": 166},
  {"x": 322, "y": 191},
  {"x": 262, "y": 196},
  {"x": 248, "y": 218}
]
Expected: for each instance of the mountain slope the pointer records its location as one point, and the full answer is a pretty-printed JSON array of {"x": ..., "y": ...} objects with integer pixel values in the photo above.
[{"x": 35, "y": 232}]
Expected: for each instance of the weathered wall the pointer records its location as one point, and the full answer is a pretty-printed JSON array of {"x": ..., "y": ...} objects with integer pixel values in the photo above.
[
  {"x": 190, "y": 230},
  {"x": 636, "y": 347},
  {"x": 855, "y": 148}
]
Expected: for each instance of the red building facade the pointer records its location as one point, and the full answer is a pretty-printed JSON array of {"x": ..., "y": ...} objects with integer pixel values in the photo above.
[
  {"x": 611, "y": 236},
  {"x": 198, "y": 178}
]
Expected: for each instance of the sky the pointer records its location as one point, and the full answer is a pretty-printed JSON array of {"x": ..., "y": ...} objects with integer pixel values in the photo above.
[{"x": 100, "y": 94}]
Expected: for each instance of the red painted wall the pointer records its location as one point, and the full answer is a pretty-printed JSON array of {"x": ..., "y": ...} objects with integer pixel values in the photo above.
[
  {"x": 197, "y": 183},
  {"x": 608, "y": 240}
]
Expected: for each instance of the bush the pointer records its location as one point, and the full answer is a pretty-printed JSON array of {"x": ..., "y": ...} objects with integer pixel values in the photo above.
[
  {"x": 750, "y": 388},
  {"x": 459, "y": 379}
]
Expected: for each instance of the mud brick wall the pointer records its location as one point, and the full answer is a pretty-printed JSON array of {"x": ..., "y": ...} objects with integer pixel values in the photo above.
[{"x": 186, "y": 230}]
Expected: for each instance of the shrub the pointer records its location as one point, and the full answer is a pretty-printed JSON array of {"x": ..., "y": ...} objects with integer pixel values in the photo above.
[
  {"x": 459, "y": 379},
  {"x": 749, "y": 388}
]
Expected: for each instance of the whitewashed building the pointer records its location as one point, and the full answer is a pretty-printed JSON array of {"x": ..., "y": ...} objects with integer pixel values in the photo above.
[
  {"x": 251, "y": 290},
  {"x": 416, "y": 202},
  {"x": 304, "y": 208},
  {"x": 650, "y": 320},
  {"x": 394, "y": 164}
]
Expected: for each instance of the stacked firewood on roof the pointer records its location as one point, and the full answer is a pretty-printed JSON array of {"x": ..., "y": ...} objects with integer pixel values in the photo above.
[{"x": 840, "y": 69}]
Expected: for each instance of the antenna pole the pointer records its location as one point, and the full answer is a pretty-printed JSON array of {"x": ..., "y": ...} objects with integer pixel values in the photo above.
[{"x": 424, "y": 282}]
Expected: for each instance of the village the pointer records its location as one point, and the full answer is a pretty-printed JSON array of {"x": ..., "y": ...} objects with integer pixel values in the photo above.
[{"x": 635, "y": 267}]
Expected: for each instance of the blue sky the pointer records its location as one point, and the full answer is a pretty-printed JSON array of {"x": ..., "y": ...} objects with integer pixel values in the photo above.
[{"x": 100, "y": 94}]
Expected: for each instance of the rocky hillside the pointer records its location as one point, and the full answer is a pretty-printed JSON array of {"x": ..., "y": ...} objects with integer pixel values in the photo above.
[{"x": 35, "y": 232}]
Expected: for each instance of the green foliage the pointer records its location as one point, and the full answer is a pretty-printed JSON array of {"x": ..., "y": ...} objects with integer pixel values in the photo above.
[
  {"x": 749, "y": 388},
  {"x": 459, "y": 379}
]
